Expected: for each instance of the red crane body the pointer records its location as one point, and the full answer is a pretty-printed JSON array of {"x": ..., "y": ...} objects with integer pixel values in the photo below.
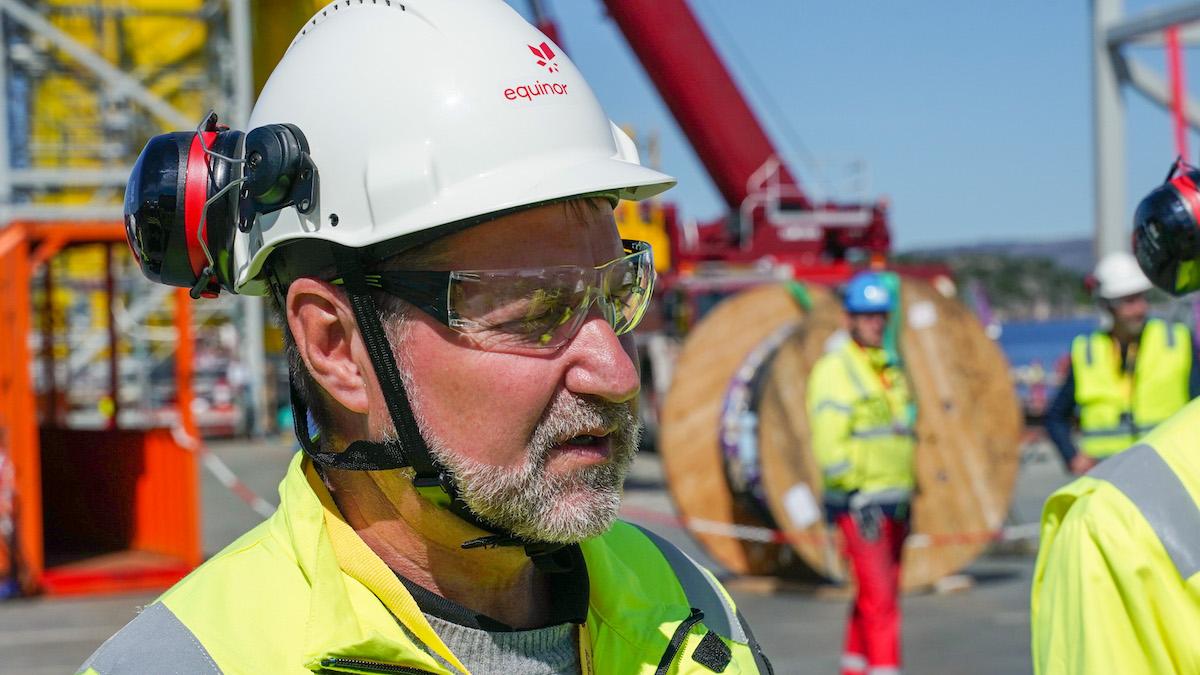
[
  {"x": 770, "y": 216},
  {"x": 700, "y": 93}
]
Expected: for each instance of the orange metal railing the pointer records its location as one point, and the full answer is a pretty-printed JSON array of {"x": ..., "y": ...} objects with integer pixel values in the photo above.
[{"x": 94, "y": 510}]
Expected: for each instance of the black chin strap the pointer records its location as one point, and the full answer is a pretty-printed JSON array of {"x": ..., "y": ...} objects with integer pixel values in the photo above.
[{"x": 431, "y": 480}]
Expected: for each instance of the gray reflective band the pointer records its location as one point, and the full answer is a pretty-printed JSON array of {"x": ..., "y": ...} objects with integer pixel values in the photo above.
[
  {"x": 839, "y": 499},
  {"x": 835, "y": 469},
  {"x": 888, "y": 496},
  {"x": 702, "y": 591},
  {"x": 1149, "y": 482},
  {"x": 1127, "y": 430},
  {"x": 156, "y": 641},
  {"x": 834, "y": 406},
  {"x": 1109, "y": 431},
  {"x": 881, "y": 432},
  {"x": 1170, "y": 327}
]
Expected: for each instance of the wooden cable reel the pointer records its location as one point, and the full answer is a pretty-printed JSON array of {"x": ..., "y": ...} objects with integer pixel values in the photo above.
[
  {"x": 690, "y": 441},
  {"x": 968, "y": 439}
]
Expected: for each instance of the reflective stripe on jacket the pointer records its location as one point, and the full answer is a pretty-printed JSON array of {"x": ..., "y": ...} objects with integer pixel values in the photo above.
[
  {"x": 1117, "y": 583},
  {"x": 862, "y": 429},
  {"x": 1114, "y": 411},
  {"x": 302, "y": 593}
]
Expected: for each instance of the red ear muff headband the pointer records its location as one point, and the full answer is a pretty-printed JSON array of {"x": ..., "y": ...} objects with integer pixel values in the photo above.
[
  {"x": 1186, "y": 187},
  {"x": 1166, "y": 236},
  {"x": 195, "y": 195}
]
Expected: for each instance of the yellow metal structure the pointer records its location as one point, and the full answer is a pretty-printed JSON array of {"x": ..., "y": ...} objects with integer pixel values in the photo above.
[
  {"x": 160, "y": 42},
  {"x": 646, "y": 221}
]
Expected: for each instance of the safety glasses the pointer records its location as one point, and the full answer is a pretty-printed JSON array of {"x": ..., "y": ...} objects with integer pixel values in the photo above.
[{"x": 529, "y": 308}]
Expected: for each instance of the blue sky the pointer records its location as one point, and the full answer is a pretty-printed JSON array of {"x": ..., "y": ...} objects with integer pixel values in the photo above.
[{"x": 974, "y": 118}]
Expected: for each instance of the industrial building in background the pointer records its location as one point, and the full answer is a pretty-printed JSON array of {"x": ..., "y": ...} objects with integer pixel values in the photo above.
[
  {"x": 106, "y": 374},
  {"x": 1112, "y": 70}
]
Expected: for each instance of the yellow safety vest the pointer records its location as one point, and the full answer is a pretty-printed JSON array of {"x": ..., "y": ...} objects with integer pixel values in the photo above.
[
  {"x": 1117, "y": 583},
  {"x": 1115, "y": 410},
  {"x": 302, "y": 593},
  {"x": 862, "y": 425}
]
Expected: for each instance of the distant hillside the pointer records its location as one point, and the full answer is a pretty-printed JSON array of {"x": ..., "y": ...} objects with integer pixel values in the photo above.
[
  {"x": 1020, "y": 279},
  {"x": 1076, "y": 255}
]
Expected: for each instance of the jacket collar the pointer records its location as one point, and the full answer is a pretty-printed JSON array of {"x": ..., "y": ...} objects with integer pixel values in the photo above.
[{"x": 357, "y": 605}]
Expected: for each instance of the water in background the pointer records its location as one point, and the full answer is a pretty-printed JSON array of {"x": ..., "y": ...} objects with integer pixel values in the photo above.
[{"x": 1046, "y": 342}]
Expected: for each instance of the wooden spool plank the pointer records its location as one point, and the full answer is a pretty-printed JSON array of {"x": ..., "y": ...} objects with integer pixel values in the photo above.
[
  {"x": 968, "y": 430},
  {"x": 691, "y": 416},
  {"x": 791, "y": 476},
  {"x": 968, "y": 438}
]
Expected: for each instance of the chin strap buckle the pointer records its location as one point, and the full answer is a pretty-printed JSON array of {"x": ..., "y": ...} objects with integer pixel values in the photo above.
[{"x": 435, "y": 487}]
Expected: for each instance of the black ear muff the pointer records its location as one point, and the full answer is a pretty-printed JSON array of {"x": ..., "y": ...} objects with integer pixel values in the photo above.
[
  {"x": 1166, "y": 233},
  {"x": 276, "y": 164},
  {"x": 191, "y": 192}
]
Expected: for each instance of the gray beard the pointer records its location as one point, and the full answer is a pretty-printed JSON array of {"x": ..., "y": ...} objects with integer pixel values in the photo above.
[{"x": 533, "y": 505}]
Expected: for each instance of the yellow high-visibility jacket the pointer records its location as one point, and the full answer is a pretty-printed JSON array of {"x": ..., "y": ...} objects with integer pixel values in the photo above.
[
  {"x": 1115, "y": 410},
  {"x": 861, "y": 414},
  {"x": 302, "y": 593},
  {"x": 1117, "y": 583}
]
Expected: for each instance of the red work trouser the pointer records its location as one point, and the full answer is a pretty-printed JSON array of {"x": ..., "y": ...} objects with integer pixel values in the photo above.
[{"x": 873, "y": 633}]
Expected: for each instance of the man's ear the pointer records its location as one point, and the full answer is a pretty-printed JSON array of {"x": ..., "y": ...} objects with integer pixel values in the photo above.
[{"x": 323, "y": 326}]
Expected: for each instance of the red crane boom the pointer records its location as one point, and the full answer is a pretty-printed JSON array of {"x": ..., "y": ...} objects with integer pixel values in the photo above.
[
  {"x": 770, "y": 215},
  {"x": 700, "y": 93}
]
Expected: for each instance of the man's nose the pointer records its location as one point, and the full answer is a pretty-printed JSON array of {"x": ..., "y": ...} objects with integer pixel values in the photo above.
[{"x": 601, "y": 363}]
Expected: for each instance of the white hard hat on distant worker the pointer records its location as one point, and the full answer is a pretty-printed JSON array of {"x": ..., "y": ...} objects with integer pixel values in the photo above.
[{"x": 1118, "y": 275}]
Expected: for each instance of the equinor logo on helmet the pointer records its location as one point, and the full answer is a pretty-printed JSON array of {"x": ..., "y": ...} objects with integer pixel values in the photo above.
[{"x": 545, "y": 58}]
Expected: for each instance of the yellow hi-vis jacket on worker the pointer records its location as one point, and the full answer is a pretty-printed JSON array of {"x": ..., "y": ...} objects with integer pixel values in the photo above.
[
  {"x": 861, "y": 414},
  {"x": 1117, "y": 583},
  {"x": 1116, "y": 408},
  {"x": 303, "y": 593}
]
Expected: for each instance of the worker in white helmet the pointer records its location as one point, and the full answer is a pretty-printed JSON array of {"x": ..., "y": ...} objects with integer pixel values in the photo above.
[
  {"x": 1124, "y": 380},
  {"x": 428, "y": 198}
]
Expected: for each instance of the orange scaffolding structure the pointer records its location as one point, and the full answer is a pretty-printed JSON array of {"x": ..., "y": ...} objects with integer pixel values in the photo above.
[{"x": 90, "y": 510}]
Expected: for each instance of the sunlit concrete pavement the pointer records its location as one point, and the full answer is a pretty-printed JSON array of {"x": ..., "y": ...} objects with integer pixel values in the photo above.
[{"x": 983, "y": 630}]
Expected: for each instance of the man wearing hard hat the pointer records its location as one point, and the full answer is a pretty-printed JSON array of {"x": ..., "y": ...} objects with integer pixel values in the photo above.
[
  {"x": 1117, "y": 583},
  {"x": 1125, "y": 380},
  {"x": 862, "y": 415},
  {"x": 426, "y": 192}
]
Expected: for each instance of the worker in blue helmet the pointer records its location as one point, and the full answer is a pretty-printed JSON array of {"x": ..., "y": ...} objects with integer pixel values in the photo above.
[{"x": 861, "y": 415}]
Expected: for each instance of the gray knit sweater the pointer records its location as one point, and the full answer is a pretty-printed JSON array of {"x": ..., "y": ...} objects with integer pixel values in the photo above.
[{"x": 543, "y": 651}]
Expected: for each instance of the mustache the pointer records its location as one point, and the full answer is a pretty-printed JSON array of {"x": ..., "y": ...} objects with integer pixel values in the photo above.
[{"x": 570, "y": 415}]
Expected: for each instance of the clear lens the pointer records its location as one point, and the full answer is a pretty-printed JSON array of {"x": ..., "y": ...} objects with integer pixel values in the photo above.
[{"x": 544, "y": 308}]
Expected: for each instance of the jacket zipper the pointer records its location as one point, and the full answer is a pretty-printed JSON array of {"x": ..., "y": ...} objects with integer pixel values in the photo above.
[
  {"x": 372, "y": 666},
  {"x": 677, "y": 641}
]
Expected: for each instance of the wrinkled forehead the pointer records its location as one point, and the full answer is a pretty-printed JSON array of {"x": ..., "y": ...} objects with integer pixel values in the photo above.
[{"x": 576, "y": 232}]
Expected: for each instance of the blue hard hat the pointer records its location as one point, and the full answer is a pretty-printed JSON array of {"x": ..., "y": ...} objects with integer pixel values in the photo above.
[{"x": 867, "y": 293}]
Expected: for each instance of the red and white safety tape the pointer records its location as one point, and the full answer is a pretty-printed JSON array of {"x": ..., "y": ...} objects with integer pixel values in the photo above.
[
  {"x": 1023, "y": 532},
  {"x": 221, "y": 471},
  {"x": 1008, "y": 533}
]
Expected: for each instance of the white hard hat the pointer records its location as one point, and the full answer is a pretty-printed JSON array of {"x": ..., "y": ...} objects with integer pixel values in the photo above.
[
  {"x": 1118, "y": 275},
  {"x": 432, "y": 112}
]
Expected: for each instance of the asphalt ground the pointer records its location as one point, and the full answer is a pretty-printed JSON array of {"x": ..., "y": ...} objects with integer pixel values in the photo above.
[{"x": 982, "y": 629}]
